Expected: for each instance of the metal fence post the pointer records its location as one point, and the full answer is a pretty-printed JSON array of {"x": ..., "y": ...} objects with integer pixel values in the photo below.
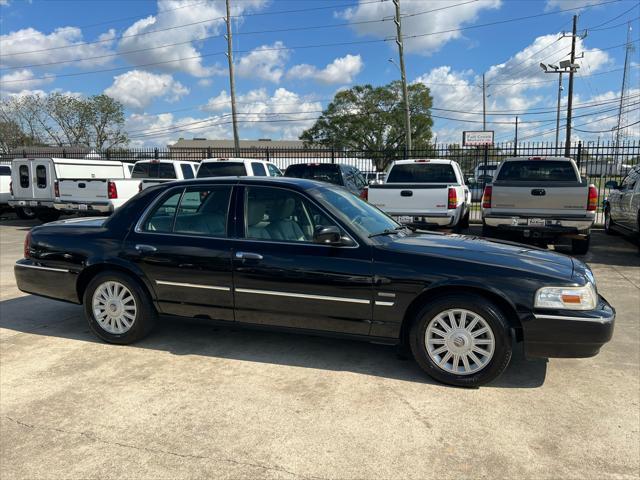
[
  {"x": 156, "y": 153},
  {"x": 333, "y": 155},
  {"x": 579, "y": 154},
  {"x": 64, "y": 153}
]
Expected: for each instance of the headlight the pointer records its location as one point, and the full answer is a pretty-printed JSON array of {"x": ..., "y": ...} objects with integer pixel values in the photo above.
[{"x": 567, "y": 298}]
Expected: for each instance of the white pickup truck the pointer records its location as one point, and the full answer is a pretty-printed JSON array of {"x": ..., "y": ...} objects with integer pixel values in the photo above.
[
  {"x": 155, "y": 172},
  {"x": 241, "y": 167},
  {"x": 99, "y": 193},
  {"x": 424, "y": 193},
  {"x": 542, "y": 199}
]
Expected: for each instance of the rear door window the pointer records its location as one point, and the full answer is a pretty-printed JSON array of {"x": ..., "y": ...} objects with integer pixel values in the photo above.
[
  {"x": 537, "y": 171},
  {"x": 24, "y": 176},
  {"x": 222, "y": 169},
  {"x": 323, "y": 172},
  {"x": 154, "y": 170},
  {"x": 422, "y": 173},
  {"x": 187, "y": 171},
  {"x": 258, "y": 169},
  {"x": 41, "y": 176}
]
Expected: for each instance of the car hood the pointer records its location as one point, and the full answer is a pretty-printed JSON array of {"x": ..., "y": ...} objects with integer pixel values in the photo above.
[{"x": 489, "y": 252}]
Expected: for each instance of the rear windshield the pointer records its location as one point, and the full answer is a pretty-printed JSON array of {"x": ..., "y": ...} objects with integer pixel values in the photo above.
[
  {"x": 5, "y": 171},
  {"x": 154, "y": 170},
  {"x": 221, "y": 169},
  {"x": 537, "y": 171},
  {"x": 328, "y": 172},
  {"x": 422, "y": 173}
]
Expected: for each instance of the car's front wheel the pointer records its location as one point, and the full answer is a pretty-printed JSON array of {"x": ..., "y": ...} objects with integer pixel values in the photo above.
[
  {"x": 461, "y": 340},
  {"x": 118, "y": 308},
  {"x": 25, "y": 213},
  {"x": 608, "y": 223}
]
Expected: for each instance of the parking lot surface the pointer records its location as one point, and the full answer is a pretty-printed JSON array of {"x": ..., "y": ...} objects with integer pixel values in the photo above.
[{"x": 193, "y": 401}]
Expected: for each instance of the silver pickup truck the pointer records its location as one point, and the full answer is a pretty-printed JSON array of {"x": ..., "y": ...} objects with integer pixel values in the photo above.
[{"x": 542, "y": 199}]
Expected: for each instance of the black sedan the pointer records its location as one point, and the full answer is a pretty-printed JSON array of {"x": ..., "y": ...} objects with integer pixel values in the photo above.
[{"x": 302, "y": 255}]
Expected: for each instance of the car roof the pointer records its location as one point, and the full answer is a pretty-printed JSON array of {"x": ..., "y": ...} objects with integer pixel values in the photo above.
[
  {"x": 298, "y": 183},
  {"x": 233, "y": 160},
  {"x": 423, "y": 160},
  {"x": 538, "y": 157}
]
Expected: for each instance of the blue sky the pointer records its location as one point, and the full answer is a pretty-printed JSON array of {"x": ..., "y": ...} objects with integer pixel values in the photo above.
[{"x": 165, "y": 60}]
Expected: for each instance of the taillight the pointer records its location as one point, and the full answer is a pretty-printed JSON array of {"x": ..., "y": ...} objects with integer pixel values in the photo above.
[
  {"x": 11, "y": 188},
  {"x": 592, "y": 204},
  {"x": 486, "y": 197},
  {"x": 112, "y": 191},
  {"x": 364, "y": 194},
  {"x": 453, "y": 199},
  {"x": 27, "y": 245},
  {"x": 56, "y": 189}
]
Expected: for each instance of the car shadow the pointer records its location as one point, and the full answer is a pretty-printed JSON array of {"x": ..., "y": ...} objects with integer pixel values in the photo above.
[{"x": 39, "y": 316}]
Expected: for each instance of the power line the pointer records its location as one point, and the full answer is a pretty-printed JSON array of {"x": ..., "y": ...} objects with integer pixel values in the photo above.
[
  {"x": 610, "y": 130},
  {"x": 611, "y": 19}
]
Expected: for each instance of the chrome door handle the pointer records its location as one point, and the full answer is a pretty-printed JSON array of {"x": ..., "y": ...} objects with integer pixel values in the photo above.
[
  {"x": 146, "y": 248},
  {"x": 248, "y": 256}
]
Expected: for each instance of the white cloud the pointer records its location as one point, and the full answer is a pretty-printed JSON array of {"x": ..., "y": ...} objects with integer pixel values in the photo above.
[
  {"x": 265, "y": 62},
  {"x": 137, "y": 88},
  {"x": 435, "y": 21},
  {"x": 260, "y": 105},
  {"x": 163, "y": 129},
  {"x": 4, "y": 3},
  {"x": 64, "y": 44},
  {"x": 202, "y": 19},
  {"x": 567, "y": 4},
  {"x": 22, "y": 80},
  {"x": 340, "y": 71}
]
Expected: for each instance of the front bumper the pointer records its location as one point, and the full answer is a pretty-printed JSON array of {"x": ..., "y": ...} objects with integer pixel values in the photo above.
[
  {"x": 46, "y": 281},
  {"x": 84, "y": 207},
  {"x": 569, "y": 334}
]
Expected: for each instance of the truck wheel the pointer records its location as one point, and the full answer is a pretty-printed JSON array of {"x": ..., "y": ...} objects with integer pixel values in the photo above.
[
  {"x": 488, "y": 231},
  {"x": 464, "y": 223},
  {"x": 608, "y": 223},
  {"x": 580, "y": 247},
  {"x": 48, "y": 215},
  {"x": 117, "y": 308},
  {"x": 25, "y": 213},
  {"x": 461, "y": 340}
]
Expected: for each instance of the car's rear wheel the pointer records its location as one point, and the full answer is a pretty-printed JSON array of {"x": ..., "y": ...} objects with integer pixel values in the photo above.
[
  {"x": 488, "y": 231},
  {"x": 461, "y": 340},
  {"x": 25, "y": 213},
  {"x": 608, "y": 223},
  {"x": 580, "y": 246},
  {"x": 118, "y": 308}
]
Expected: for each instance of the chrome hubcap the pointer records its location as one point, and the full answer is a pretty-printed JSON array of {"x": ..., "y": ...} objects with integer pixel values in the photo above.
[
  {"x": 459, "y": 341},
  {"x": 114, "y": 307}
]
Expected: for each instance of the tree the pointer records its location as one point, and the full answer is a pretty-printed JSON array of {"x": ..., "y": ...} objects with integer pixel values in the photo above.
[
  {"x": 67, "y": 120},
  {"x": 372, "y": 118}
]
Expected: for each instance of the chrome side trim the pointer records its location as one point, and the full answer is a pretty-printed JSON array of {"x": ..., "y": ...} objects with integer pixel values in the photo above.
[
  {"x": 303, "y": 295},
  {"x": 387, "y": 294},
  {"x": 37, "y": 267},
  {"x": 577, "y": 319},
  {"x": 384, "y": 304},
  {"x": 193, "y": 285}
]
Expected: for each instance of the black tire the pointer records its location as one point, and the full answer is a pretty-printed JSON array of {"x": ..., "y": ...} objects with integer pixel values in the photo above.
[
  {"x": 608, "y": 222},
  {"x": 478, "y": 305},
  {"x": 48, "y": 215},
  {"x": 25, "y": 213},
  {"x": 488, "y": 231},
  {"x": 463, "y": 223},
  {"x": 145, "y": 313},
  {"x": 580, "y": 246}
]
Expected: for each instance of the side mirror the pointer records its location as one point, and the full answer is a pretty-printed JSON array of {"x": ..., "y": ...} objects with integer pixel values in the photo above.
[{"x": 327, "y": 235}]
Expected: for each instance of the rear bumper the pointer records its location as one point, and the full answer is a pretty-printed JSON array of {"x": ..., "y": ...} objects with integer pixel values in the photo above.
[
  {"x": 31, "y": 203},
  {"x": 84, "y": 207},
  {"x": 56, "y": 283},
  {"x": 569, "y": 334},
  {"x": 520, "y": 223},
  {"x": 444, "y": 219}
]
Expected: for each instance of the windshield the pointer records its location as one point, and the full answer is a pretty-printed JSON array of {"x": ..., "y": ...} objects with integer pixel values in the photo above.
[
  {"x": 538, "y": 171},
  {"x": 355, "y": 212},
  {"x": 329, "y": 173},
  {"x": 422, "y": 173},
  {"x": 221, "y": 169}
]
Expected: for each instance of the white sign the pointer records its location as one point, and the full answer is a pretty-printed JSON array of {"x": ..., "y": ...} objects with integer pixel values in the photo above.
[{"x": 470, "y": 139}]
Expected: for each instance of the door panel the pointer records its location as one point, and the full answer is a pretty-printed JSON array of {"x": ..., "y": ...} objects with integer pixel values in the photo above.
[
  {"x": 183, "y": 250},
  {"x": 290, "y": 281},
  {"x": 41, "y": 180}
]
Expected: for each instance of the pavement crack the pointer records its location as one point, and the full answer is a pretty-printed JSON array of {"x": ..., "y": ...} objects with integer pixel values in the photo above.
[
  {"x": 95, "y": 438},
  {"x": 414, "y": 410}
]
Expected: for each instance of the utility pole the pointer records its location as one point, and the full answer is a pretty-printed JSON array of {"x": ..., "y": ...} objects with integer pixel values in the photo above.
[
  {"x": 236, "y": 140},
  {"x": 515, "y": 141},
  {"x": 484, "y": 105},
  {"x": 558, "y": 112},
  {"x": 405, "y": 94},
  {"x": 624, "y": 88},
  {"x": 567, "y": 145}
]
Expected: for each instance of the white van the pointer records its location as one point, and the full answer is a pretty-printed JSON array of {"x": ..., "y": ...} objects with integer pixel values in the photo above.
[{"x": 33, "y": 180}]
